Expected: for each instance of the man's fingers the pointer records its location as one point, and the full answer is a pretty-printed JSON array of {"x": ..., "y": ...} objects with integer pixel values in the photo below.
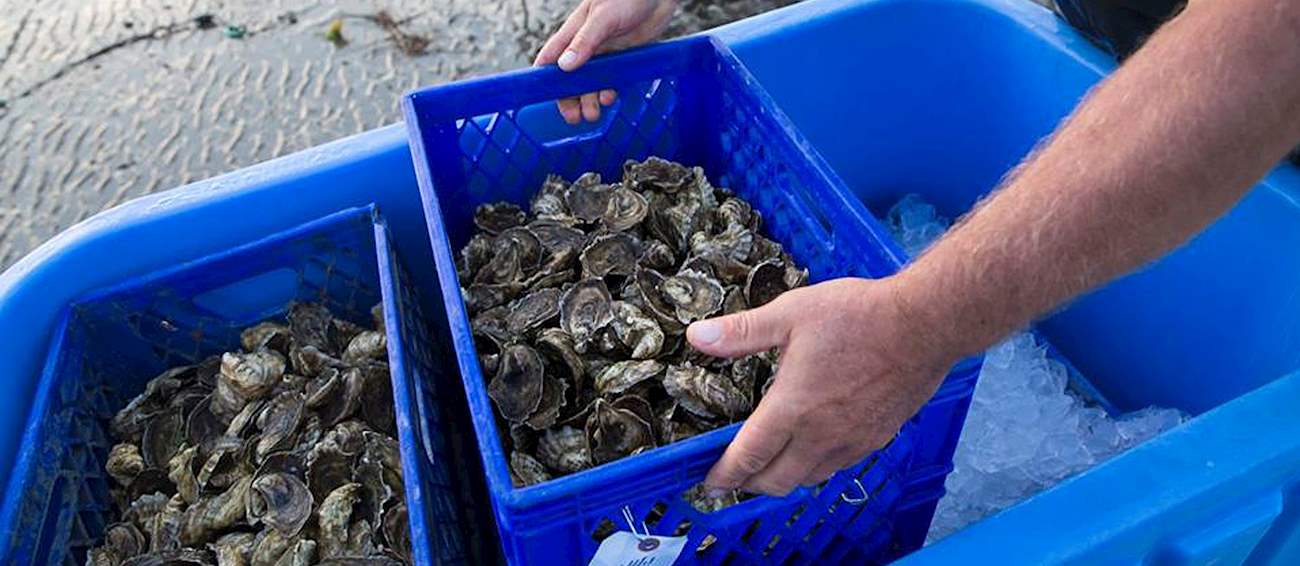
[
  {"x": 570, "y": 109},
  {"x": 607, "y": 97},
  {"x": 590, "y": 107},
  {"x": 742, "y": 333},
  {"x": 587, "y": 40},
  {"x": 555, "y": 45},
  {"x": 761, "y": 438},
  {"x": 786, "y": 472}
]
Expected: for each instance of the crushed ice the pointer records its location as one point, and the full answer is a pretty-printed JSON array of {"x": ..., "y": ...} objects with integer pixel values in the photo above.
[{"x": 1027, "y": 430}]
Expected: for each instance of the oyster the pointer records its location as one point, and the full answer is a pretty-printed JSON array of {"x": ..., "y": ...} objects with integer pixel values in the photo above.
[
  {"x": 309, "y": 325},
  {"x": 556, "y": 238},
  {"x": 496, "y": 218},
  {"x": 693, "y": 294},
  {"x": 281, "y": 501},
  {"x": 226, "y": 461},
  {"x": 656, "y": 174},
  {"x": 533, "y": 310},
  {"x": 553, "y": 399},
  {"x": 638, "y": 332},
  {"x": 616, "y": 432},
  {"x": 526, "y": 470},
  {"x": 517, "y": 387},
  {"x": 706, "y": 394},
  {"x": 579, "y": 309},
  {"x": 266, "y": 336},
  {"x": 559, "y": 345},
  {"x": 657, "y": 255},
  {"x": 564, "y": 449},
  {"x": 278, "y": 421},
  {"x": 244, "y": 378},
  {"x": 584, "y": 309},
  {"x": 625, "y": 210},
  {"x": 610, "y": 254},
  {"x": 588, "y": 199},
  {"x": 766, "y": 281},
  {"x": 364, "y": 346},
  {"x": 124, "y": 462},
  {"x": 621, "y": 376},
  {"x": 334, "y": 517}
]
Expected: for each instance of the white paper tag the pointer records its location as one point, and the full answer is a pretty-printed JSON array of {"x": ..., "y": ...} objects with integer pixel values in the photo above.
[{"x": 626, "y": 549}]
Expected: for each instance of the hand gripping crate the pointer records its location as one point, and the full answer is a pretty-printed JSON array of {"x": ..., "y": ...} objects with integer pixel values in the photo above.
[
  {"x": 497, "y": 138},
  {"x": 111, "y": 343}
]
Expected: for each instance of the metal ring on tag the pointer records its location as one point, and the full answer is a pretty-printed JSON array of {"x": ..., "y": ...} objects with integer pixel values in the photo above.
[
  {"x": 647, "y": 544},
  {"x": 856, "y": 500}
]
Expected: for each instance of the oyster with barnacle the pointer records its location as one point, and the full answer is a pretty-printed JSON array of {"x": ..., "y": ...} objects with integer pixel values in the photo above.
[
  {"x": 279, "y": 453},
  {"x": 580, "y": 301}
]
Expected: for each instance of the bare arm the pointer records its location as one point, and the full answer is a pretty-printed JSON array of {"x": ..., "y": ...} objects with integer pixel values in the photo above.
[{"x": 1156, "y": 153}]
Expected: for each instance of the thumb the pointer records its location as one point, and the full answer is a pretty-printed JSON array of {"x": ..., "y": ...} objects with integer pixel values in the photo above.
[{"x": 745, "y": 332}]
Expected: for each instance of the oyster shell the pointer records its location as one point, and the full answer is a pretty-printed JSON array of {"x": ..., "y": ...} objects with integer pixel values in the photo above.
[
  {"x": 706, "y": 394},
  {"x": 334, "y": 517},
  {"x": 517, "y": 386},
  {"x": 498, "y": 217},
  {"x": 553, "y": 400},
  {"x": 278, "y": 422},
  {"x": 564, "y": 449},
  {"x": 694, "y": 295},
  {"x": 625, "y": 210},
  {"x": 610, "y": 254},
  {"x": 251, "y": 439},
  {"x": 657, "y": 255},
  {"x": 616, "y": 432},
  {"x": 244, "y": 378},
  {"x": 766, "y": 281},
  {"x": 266, "y": 336},
  {"x": 622, "y": 376},
  {"x": 526, "y": 470},
  {"x": 656, "y": 174},
  {"x": 124, "y": 462},
  {"x": 281, "y": 501},
  {"x": 584, "y": 309},
  {"x": 637, "y": 331},
  {"x": 626, "y": 266},
  {"x": 588, "y": 199},
  {"x": 309, "y": 325},
  {"x": 366, "y": 346},
  {"x": 533, "y": 310}
]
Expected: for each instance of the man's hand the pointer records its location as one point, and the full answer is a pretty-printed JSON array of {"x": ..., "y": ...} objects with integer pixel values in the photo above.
[
  {"x": 595, "y": 27},
  {"x": 853, "y": 369}
]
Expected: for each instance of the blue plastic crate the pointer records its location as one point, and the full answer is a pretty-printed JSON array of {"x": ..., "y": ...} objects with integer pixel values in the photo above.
[
  {"x": 691, "y": 101},
  {"x": 111, "y": 343}
]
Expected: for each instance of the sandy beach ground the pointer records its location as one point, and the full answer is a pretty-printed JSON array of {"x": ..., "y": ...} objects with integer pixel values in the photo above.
[{"x": 102, "y": 101}]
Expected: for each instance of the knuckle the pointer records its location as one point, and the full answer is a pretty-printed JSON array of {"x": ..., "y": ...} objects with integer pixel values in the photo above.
[
  {"x": 742, "y": 325},
  {"x": 749, "y": 462}
]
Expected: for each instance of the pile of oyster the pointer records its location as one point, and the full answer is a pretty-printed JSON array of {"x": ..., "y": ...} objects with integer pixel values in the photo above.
[
  {"x": 282, "y": 454},
  {"x": 579, "y": 310}
]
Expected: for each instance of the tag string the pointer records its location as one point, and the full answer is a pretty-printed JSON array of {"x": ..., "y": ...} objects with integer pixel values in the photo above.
[{"x": 631, "y": 524}]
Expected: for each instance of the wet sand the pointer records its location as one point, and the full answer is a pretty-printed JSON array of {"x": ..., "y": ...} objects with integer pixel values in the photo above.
[{"x": 102, "y": 101}]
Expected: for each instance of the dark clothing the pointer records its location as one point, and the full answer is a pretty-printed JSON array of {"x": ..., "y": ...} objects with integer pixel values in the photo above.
[
  {"x": 1118, "y": 26},
  {"x": 1121, "y": 27}
]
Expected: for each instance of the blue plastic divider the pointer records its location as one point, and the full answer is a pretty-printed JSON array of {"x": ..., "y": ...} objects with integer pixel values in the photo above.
[{"x": 689, "y": 101}]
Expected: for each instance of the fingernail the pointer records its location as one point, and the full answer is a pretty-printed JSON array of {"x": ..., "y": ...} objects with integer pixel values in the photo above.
[
  {"x": 705, "y": 331},
  {"x": 715, "y": 493},
  {"x": 567, "y": 60}
]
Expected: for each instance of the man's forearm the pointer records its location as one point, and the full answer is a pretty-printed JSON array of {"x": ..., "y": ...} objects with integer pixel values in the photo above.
[{"x": 1153, "y": 155}]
